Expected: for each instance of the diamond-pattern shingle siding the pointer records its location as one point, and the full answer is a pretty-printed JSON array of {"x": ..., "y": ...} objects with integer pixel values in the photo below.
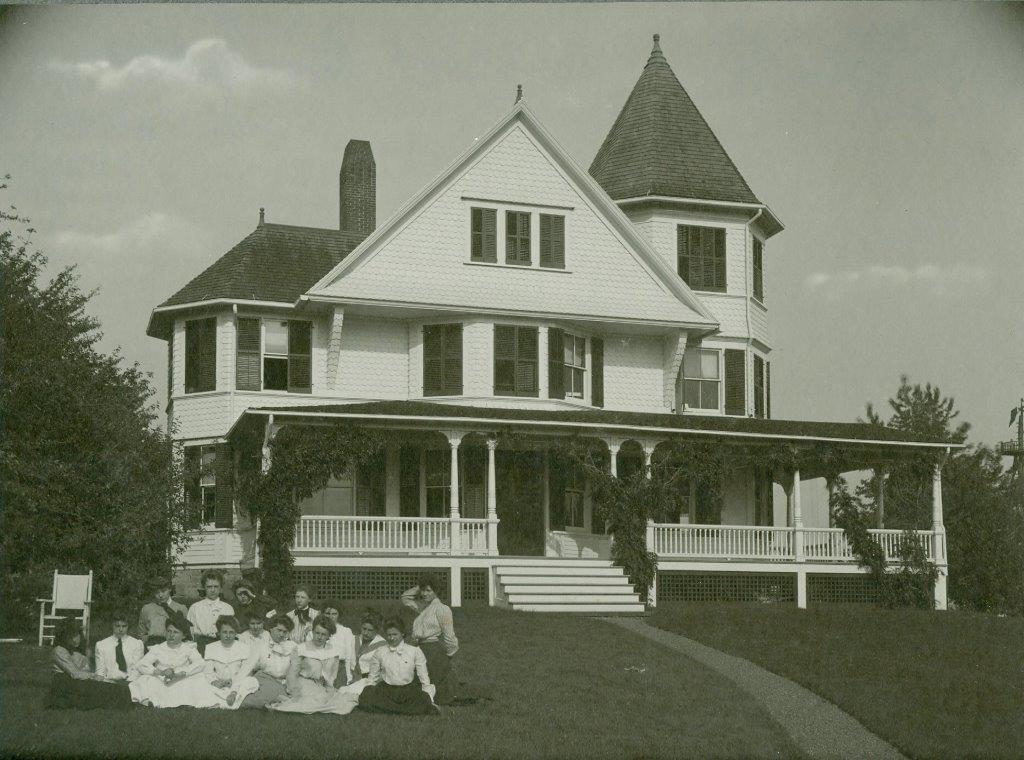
[{"x": 661, "y": 145}]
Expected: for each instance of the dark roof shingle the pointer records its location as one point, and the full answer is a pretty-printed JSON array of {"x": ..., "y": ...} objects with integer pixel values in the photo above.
[
  {"x": 661, "y": 145},
  {"x": 275, "y": 262}
]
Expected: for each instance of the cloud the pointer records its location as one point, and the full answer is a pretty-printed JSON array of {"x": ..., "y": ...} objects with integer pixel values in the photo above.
[
  {"x": 939, "y": 279},
  {"x": 139, "y": 234},
  {"x": 208, "y": 64}
]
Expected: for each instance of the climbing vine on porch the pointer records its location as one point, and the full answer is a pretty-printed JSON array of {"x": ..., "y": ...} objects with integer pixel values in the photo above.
[{"x": 302, "y": 461}]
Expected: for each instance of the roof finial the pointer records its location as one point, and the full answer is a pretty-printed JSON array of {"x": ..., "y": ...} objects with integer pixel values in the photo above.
[
  {"x": 656, "y": 53},
  {"x": 519, "y": 92},
  {"x": 261, "y": 215}
]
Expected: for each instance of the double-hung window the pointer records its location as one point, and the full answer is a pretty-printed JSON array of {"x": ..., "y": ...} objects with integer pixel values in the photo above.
[
  {"x": 574, "y": 349},
  {"x": 277, "y": 357},
  {"x": 438, "y": 467},
  {"x": 700, "y": 257},
  {"x": 442, "y": 360},
  {"x": 702, "y": 379},
  {"x": 574, "y": 487},
  {"x": 201, "y": 355},
  {"x": 201, "y": 483},
  {"x": 515, "y": 361},
  {"x": 517, "y": 238}
]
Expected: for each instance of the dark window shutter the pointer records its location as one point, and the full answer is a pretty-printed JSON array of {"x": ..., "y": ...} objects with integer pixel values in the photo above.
[
  {"x": 476, "y": 234},
  {"x": 192, "y": 464},
  {"x": 552, "y": 241},
  {"x": 300, "y": 356},
  {"x": 201, "y": 355},
  {"x": 483, "y": 234},
  {"x": 504, "y": 360},
  {"x": 758, "y": 266},
  {"x": 453, "y": 360},
  {"x": 556, "y": 367},
  {"x": 683, "y": 254},
  {"x": 224, "y": 472},
  {"x": 517, "y": 237},
  {"x": 758, "y": 387},
  {"x": 735, "y": 382},
  {"x": 768, "y": 390},
  {"x": 597, "y": 371},
  {"x": 719, "y": 257},
  {"x": 370, "y": 487},
  {"x": 433, "y": 360},
  {"x": 527, "y": 361},
  {"x": 409, "y": 481},
  {"x": 247, "y": 354}
]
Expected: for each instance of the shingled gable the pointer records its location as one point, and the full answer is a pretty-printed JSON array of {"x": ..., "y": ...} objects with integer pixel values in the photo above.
[
  {"x": 274, "y": 263},
  {"x": 660, "y": 145},
  {"x": 649, "y": 259}
]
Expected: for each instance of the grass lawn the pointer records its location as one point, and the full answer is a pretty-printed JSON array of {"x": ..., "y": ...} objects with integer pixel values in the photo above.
[
  {"x": 934, "y": 684},
  {"x": 558, "y": 686}
]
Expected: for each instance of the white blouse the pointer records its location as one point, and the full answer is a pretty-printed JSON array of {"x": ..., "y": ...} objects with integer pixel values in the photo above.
[
  {"x": 397, "y": 666},
  {"x": 226, "y": 663},
  {"x": 183, "y": 659},
  {"x": 273, "y": 659}
]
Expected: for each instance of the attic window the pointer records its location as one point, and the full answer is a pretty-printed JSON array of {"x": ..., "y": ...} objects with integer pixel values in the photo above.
[{"x": 484, "y": 235}]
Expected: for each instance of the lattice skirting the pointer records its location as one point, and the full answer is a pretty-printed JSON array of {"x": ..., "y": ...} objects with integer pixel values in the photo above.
[
  {"x": 842, "y": 589},
  {"x": 692, "y": 586},
  {"x": 474, "y": 584},
  {"x": 371, "y": 583}
]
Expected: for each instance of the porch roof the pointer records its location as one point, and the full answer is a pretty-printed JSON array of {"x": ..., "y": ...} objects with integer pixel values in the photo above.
[{"x": 617, "y": 423}]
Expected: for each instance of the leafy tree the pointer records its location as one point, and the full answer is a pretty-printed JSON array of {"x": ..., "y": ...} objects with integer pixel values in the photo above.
[
  {"x": 984, "y": 521},
  {"x": 87, "y": 479}
]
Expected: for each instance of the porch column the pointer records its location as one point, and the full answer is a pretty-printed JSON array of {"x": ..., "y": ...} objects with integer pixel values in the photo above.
[
  {"x": 545, "y": 497},
  {"x": 613, "y": 450},
  {"x": 830, "y": 484},
  {"x": 798, "y": 542},
  {"x": 939, "y": 537},
  {"x": 454, "y": 439},
  {"x": 881, "y": 473},
  {"x": 648, "y": 453},
  {"x": 492, "y": 499}
]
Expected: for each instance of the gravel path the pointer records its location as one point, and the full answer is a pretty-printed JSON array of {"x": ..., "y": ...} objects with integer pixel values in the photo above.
[{"x": 817, "y": 727}]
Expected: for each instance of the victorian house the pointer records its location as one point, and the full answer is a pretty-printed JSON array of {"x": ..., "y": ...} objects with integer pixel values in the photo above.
[{"x": 519, "y": 293}]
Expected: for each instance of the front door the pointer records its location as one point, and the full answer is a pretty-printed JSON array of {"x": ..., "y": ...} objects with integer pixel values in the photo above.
[{"x": 520, "y": 503}]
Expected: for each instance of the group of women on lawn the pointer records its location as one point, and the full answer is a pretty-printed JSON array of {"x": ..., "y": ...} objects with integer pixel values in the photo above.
[{"x": 212, "y": 655}]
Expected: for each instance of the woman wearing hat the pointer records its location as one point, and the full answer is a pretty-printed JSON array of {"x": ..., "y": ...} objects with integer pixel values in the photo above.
[{"x": 153, "y": 616}]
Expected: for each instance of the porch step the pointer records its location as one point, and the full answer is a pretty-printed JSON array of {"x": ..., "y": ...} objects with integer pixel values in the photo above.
[{"x": 560, "y": 585}]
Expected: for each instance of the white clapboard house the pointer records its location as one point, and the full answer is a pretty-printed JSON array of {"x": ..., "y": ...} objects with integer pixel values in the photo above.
[{"x": 519, "y": 292}]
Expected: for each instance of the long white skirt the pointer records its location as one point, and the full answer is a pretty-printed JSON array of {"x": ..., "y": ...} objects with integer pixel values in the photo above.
[
  {"x": 194, "y": 691},
  {"x": 314, "y": 698},
  {"x": 244, "y": 688}
]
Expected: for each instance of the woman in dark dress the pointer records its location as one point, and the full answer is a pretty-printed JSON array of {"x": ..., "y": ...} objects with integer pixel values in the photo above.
[
  {"x": 74, "y": 685},
  {"x": 398, "y": 677}
]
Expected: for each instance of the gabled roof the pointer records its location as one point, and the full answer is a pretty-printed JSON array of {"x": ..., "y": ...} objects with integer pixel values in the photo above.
[
  {"x": 613, "y": 216},
  {"x": 661, "y": 145},
  {"x": 273, "y": 263}
]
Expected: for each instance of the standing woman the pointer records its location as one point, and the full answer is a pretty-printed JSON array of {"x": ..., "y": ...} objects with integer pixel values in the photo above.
[
  {"x": 74, "y": 685},
  {"x": 433, "y": 631},
  {"x": 227, "y": 661},
  {"x": 171, "y": 673},
  {"x": 370, "y": 641},
  {"x": 311, "y": 676},
  {"x": 202, "y": 615},
  {"x": 156, "y": 611},
  {"x": 398, "y": 677}
]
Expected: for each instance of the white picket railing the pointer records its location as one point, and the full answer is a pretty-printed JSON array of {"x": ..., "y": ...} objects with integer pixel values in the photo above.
[
  {"x": 472, "y": 536},
  {"x": 770, "y": 543},
  {"x": 400, "y": 535},
  {"x": 723, "y": 541}
]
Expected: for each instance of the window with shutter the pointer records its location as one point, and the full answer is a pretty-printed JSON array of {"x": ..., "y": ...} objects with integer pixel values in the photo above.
[
  {"x": 574, "y": 365},
  {"x": 700, "y": 257},
  {"x": 735, "y": 382},
  {"x": 442, "y": 360},
  {"x": 483, "y": 235},
  {"x": 201, "y": 485},
  {"x": 438, "y": 469},
  {"x": 758, "y": 266},
  {"x": 758, "y": 386},
  {"x": 201, "y": 355},
  {"x": 247, "y": 354},
  {"x": 552, "y": 241},
  {"x": 517, "y": 237},
  {"x": 701, "y": 380},
  {"x": 300, "y": 356},
  {"x": 224, "y": 489},
  {"x": 556, "y": 386},
  {"x": 515, "y": 361},
  {"x": 597, "y": 371}
]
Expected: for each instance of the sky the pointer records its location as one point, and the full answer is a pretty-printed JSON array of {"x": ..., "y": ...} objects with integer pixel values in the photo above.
[{"x": 889, "y": 138}]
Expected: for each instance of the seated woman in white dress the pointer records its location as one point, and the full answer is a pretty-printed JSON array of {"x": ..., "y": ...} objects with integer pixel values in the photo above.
[
  {"x": 171, "y": 673},
  {"x": 269, "y": 664},
  {"x": 311, "y": 676},
  {"x": 343, "y": 643},
  {"x": 227, "y": 661}
]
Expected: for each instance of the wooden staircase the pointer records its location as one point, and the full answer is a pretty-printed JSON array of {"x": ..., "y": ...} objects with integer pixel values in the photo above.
[{"x": 567, "y": 585}]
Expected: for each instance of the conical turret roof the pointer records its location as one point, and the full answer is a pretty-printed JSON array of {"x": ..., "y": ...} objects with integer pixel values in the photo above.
[{"x": 661, "y": 145}]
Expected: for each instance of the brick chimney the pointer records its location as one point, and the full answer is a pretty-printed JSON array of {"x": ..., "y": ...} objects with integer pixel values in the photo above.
[{"x": 358, "y": 188}]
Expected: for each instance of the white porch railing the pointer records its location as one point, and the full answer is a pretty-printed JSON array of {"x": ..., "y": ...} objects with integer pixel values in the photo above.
[
  {"x": 397, "y": 535},
  {"x": 770, "y": 543}
]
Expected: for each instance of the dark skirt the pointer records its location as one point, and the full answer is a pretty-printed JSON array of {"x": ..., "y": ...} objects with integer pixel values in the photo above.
[
  {"x": 404, "y": 700},
  {"x": 67, "y": 693},
  {"x": 439, "y": 666}
]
